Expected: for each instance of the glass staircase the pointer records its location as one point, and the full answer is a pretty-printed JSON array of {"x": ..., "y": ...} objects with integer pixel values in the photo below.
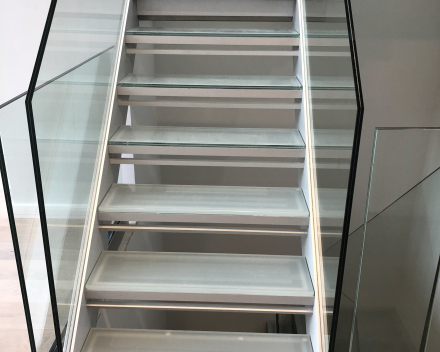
[
  {"x": 200, "y": 83},
  {"x": 227, "y": 133}
]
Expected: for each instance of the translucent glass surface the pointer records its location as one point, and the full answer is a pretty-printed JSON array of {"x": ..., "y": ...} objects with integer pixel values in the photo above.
[
  {"x": 17, "y": 153},
  {"x": 401, "y": 244},
  {"x": 80, "y": 29},
  {"x": 208, "y": 200},
  {"x": 69, "y": 113},
  {"x": 225, "y": 82},
  {"x": 108, "y": 340},
  {"x": 208, "y": 137},
  {"x": 201, "y": 277},
  {"x": 215, "y": 32}
]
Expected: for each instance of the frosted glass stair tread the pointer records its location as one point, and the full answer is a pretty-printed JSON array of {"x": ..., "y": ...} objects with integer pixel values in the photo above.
[
  {"x": 332, "y": 202},
  {"x": 327, "y": 33},
  {"x": 214, "y": 200},
  {"x": 327, "y": 30},
  {"x": 214, "y": 32},
  {"x": 137, "y": 340},
  {"x": 201, "y": 277},
  {"x": 331, "y": 83},
  {"x": 213, "y": 82},
  {"x": 208, "y": 137},
  {"x": 333, "y": 139}
]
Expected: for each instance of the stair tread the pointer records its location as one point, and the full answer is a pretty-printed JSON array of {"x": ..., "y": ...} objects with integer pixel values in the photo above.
[
  {"x": 214, "y": 32},
  {"x": 119, "y": 340},
  {"x": 323, "y": 29},
  {"x": 333, "y": 139},
  {"x": 331, "y": 83},
  {"x": 200, "y": 277},
  {"x": 327, "y": 33},
  {"x": 215, "y": 201},
  {"x": 208, "y": 137},
  {"x": 213, "y": 82},
  {"x": 332, "y": 203}
]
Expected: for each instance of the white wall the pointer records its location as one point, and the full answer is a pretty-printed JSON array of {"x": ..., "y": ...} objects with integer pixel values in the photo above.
[{"x": 21, "y": 27}]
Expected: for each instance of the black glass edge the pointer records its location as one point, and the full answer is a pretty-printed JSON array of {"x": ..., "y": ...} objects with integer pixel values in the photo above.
[
  {"x": 56, "y": 78},
  {"x": 37, "y": 172},
  {"x": 36, "y": 163},
  {"x": 352, "y": 175},
  {"x": 16, "y": 245}
]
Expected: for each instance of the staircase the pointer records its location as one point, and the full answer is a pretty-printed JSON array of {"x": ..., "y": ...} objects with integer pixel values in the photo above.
[{"x": 211, "y": 119}]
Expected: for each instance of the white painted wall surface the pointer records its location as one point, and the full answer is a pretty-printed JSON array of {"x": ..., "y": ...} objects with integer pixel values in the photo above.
[{"x": 21, "y": 27}]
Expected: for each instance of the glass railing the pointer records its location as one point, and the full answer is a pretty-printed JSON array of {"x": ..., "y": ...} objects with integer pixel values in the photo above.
[
  {"x": 66, "y": 116},
  {"x": 21, "y": 199},
  {"x": 52, "y": 137},
  {"x": 69, "y": 115},
  {"x": 335, "y": 110},
  {"x": 388, "y": 301}
]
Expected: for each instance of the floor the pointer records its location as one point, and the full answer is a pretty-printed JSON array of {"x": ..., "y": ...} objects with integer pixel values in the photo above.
[{"x": 13, "y": 331}]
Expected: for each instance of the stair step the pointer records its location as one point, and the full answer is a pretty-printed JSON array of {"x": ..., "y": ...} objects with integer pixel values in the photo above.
[
  {"x": 329, "y": 33},
  {"x": 322, "y": 9},
  {"x": 333, "y": 139},
  {"x": 200, "y": 306},
  {"x": 323, "y": 33},
  {"x": 206, "y": 204},
  {"x": 332, "y": 206},
  {"x": 251, "y": 142},
  {"x": 332, "y": 83},
  {"x": 216, "y": 9},
  {"x": 200, "y": 277},
  {"x": 122, "y": 340},
  {"x": 213, "y": 32},
  {"x": 211, "y": 86},
  {"x": 213, "y": 36},
  {"x": 331, "y": 266}
]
